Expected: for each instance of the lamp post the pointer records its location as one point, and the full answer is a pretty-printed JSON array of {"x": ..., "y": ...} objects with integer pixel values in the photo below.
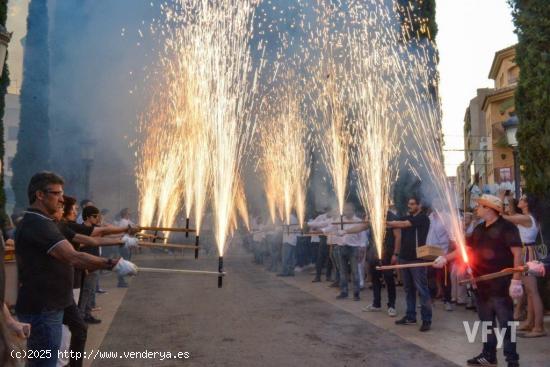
[
  {"x": 87, "y": 155},
  {"x": 511, "y": 128}
]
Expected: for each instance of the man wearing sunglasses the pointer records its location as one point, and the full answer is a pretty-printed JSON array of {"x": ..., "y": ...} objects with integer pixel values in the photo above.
[
  {"x": 494, "y": 245},
  {"x": 45, "y": 261}
]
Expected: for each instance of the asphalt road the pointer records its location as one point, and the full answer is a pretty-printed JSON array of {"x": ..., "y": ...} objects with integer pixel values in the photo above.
[{"x": 254, "y": 320}]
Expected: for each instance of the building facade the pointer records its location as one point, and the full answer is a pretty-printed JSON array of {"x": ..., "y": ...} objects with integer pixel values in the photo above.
[
  {"x": 488, "y": 159},
  {"x": 498, "y": 107}
]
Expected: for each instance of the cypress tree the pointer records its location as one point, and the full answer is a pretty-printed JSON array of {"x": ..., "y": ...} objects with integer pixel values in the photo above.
[
  {"x": 4, "y": 84},
  {"x": 532, "y": 21},
  {"x": 33, "y": 144}
]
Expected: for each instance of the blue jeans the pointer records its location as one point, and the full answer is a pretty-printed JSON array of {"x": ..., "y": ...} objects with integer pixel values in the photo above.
[
  {"x": 289, "y": 259},
  {"x": 348, "y": 265},
  {"x": 45, "y": 336},
  {"x": 416, "y": 280},
  {"x": 501, "y": 308}
]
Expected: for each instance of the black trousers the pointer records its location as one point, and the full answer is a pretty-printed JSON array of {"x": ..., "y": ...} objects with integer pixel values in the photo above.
[
  {"x": 377, "y": 283},
  {"x": 323, "y": 259},
  {"x": 79, "y": 332},
  {"x": 501, "y": 308}
]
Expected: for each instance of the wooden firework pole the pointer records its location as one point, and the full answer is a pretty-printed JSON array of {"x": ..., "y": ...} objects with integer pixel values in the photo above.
[
  {"x": 498, "y": 274},
  {"x": 404, "y": 266}
]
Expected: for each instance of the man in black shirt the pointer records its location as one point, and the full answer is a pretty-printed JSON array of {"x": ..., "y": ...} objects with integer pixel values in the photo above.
[
  {"x": 414, "y": 228},
  {"x": 494, "y": 245},
  {"x": 45, "y": 261}
]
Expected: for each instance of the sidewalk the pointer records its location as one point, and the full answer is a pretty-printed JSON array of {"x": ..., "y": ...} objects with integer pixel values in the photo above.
[{"x": 447, "y": 338}]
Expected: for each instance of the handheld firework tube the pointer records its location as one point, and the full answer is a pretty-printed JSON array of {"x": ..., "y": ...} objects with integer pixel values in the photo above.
[
  {"x": 187, "y": 227},
  {"x": 498, "y": 274},
  {"x": 166, "y": 229},
  {"x": 404, "y": 266},
  {"x": 196, "y": 247},
  {"x": 220, "y": 271}
]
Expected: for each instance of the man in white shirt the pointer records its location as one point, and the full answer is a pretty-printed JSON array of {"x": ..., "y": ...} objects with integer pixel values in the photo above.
[
  {"x": 290, "y": 237},
  {"x": 349, "y": 245}
]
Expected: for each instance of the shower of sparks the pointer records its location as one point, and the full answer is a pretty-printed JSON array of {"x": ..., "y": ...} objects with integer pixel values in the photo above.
[
  {"x": 241, "y": 205},
  {"x": 330, "y": 95},
  {"x": 221, "y": 37},
  {"x": 423, "y": 117},
  {"x": 375, "y": 114},
  {"x": 284, "y": 140},
  {"x": 199, "y": 124}
]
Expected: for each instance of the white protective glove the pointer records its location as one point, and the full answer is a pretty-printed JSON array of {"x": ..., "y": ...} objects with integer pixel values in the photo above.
[
  {"x": 536, "y": 268},
  {"x": 341, "y": 232},
  {"x": 130, "y": 242},
  {"x": 516, "y": 289},
  {"x": 440, "y": 262},
  {"x": 125, "y": 267}
]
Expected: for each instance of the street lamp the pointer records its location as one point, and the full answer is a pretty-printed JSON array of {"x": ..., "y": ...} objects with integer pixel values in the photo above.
[
  {"x": 87, "y": 155},
  {"x": 511, "y": 128}
]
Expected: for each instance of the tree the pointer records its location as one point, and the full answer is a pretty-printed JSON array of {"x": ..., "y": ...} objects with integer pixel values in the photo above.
[
  {"x": 33, "y": 143},
  {"x": 418, "y": 18},
  {"x": 4, "y": 84},
  {"x": 532, "y": 21}
]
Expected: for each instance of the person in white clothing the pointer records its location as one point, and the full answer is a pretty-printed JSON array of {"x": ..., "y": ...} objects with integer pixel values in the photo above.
[
  {"x": 533, "y": 327},
  {"x": 347, "y": 252},
  {"x": 290, "y": 238},
  {"x": 439, "y": 236},
  {"x": 323, "y": 254}
]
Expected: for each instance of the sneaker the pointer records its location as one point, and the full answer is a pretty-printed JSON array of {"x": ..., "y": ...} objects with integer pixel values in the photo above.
[
  {"x": 101, "y": 291},
  {"x": 371, "y": 308},
  {"x": 356, "y": 297},
  {"x": 342, "y": 296},
  {"x": 405, "y": 321},
  {"x": 426, "y": 325},
  {"x": 482, "y": 360},
  {"x": 91, "y": 320},
  {"x": 448, "y": 306},
  {"x": 298, "y": 269},
  {"x": 96, "y": 309},
  {"x": 316, "y": 280},
  {"x": 392, "y": 312}
]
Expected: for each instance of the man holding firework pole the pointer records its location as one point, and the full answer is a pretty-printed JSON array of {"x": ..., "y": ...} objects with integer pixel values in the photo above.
[
  {"x": 494, "y": 245},
  {"x": 414, "y": 229},
  {"x": 45, "y": 261}
]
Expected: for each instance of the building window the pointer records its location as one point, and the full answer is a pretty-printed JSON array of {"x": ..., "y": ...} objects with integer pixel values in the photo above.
[
  {"x": 12, "y": 133},
  {"x": 513, "y": 74},
  {"x": 505, "y": 174}
]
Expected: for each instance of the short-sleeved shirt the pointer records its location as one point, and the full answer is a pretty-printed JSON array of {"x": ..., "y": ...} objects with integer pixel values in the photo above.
[
  {"x": 491, "y": 252},
  {"x": 414, "y": 236},
  {"x": 70, "y": 230},
  {"x": 45, "y": 283}
]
